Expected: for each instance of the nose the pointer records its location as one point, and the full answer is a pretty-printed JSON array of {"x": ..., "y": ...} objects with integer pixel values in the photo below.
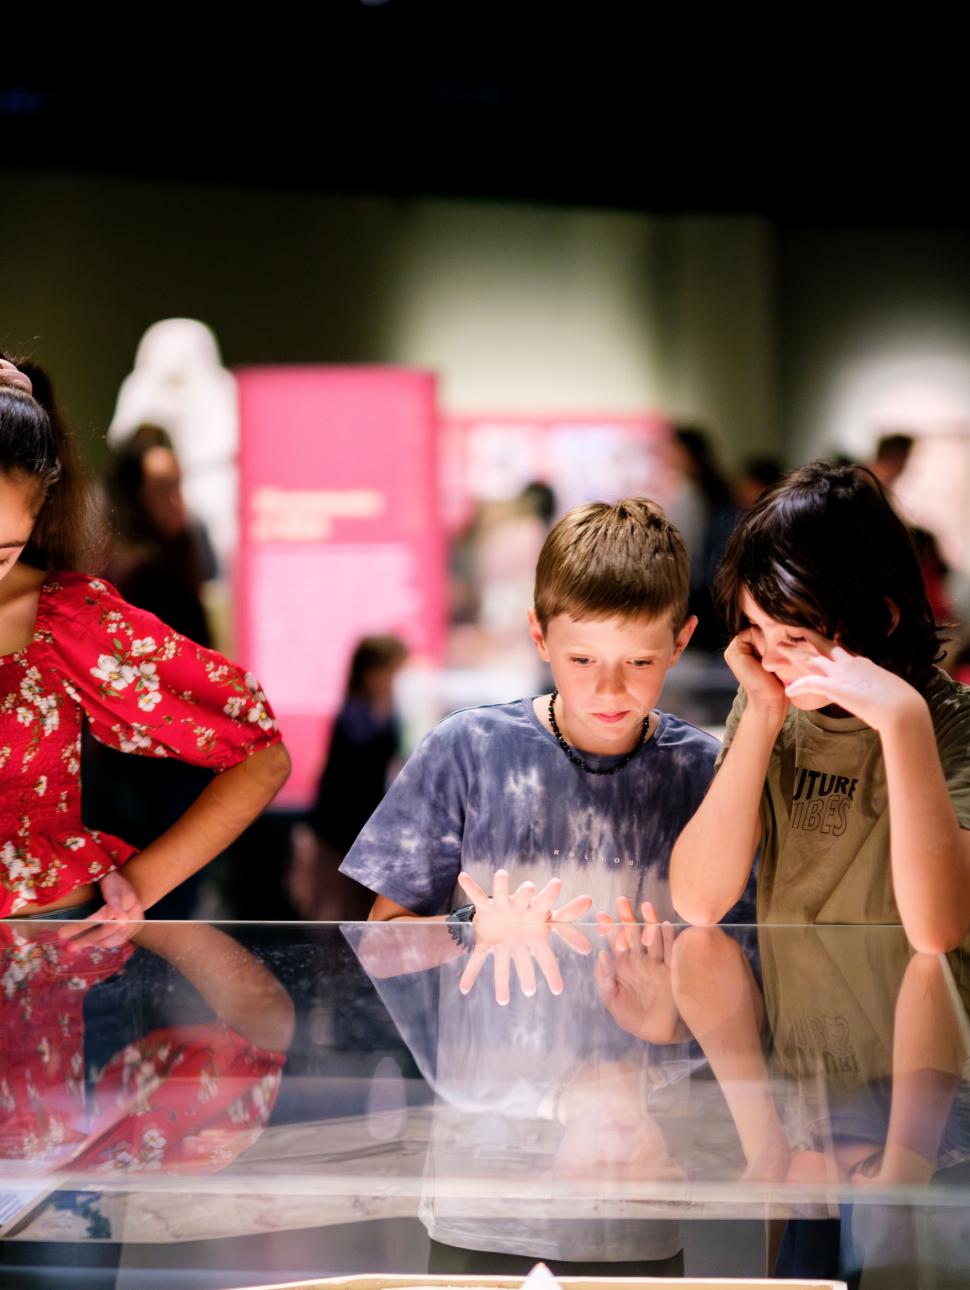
[
  {"x": 609, "y": 683},
  {"x": 772, "y": 658}
]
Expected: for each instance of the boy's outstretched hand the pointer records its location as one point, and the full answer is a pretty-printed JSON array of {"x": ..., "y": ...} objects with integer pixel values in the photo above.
[
  {"x": 519, "y": 928},
  {"x": 634, "y": 983}
]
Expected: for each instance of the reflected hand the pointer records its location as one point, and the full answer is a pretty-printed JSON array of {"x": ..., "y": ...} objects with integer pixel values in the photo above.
[
  {"x": 599, "y": 1145},
  {"x": 607, "y": 1130},
  {"x": 119, "y": 919},
  {"x": 893, "y": 1166},
  {"x": 518, "y": 929},
  {"x": 634, "y": 983}
]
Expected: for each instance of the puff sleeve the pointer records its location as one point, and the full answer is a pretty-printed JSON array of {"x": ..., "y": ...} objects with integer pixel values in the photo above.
[{"x": 146, "y": 689}]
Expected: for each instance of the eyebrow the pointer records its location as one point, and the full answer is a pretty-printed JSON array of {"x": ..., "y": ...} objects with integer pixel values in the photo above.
[
  {"x": 636, "y": 653},
  {"x": 9, "y": 546}
]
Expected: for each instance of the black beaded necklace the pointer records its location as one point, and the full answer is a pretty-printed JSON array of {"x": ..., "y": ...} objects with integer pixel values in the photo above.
[{"x": 575, "y": 758}]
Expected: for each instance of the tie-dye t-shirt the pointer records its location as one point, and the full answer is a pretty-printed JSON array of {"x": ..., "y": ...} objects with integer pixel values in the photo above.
[{"x": 490, "y": 788}]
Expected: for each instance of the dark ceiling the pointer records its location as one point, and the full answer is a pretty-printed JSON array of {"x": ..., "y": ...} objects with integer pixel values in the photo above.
[{"x": 468, "y": 100}]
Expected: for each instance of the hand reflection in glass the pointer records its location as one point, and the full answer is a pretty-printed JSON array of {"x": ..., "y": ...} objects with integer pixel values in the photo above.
[
  {"x": 913, "y": 1132},
  {"x": 518, "y": 929},
  {"x": 634, "y": 982},
  {"x": 928, "y": 1058},
  {"x": 721, "y": 1004},
  {"x": 607, "y": 1132}
]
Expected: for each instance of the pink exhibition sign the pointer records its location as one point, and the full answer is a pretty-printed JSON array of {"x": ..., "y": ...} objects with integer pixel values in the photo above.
[{"x": 340, "y": 537}]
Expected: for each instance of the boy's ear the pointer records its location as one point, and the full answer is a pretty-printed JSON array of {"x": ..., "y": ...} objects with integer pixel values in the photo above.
[
  {"x": 538, "y": 636},
  {"x": 893, "y": 615},
  {"x": 683, "y": 636}
]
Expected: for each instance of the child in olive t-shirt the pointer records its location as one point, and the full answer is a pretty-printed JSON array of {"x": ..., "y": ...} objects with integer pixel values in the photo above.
[{"x": 847, "y": 755}]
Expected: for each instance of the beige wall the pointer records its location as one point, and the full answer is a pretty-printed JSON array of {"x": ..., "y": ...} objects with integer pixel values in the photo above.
[
  {"x": 517, "y": 307},
  {"x": 875, "y": 335}
]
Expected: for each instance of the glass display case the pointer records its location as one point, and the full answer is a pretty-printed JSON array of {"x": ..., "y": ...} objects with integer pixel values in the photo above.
[{"x": 219, "y": 1106}]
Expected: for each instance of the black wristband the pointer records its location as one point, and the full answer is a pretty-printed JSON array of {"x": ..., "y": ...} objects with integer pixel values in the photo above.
[{"x": 458, "y": 924}]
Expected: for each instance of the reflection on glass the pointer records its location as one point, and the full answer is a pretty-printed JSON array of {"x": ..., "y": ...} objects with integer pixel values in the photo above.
[
  {"x": 203, "y": 1084},
  {"x": 96, "y": 1080}
]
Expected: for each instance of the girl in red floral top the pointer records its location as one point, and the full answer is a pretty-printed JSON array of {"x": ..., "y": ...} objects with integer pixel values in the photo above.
[{"x": 71, "y": 650}]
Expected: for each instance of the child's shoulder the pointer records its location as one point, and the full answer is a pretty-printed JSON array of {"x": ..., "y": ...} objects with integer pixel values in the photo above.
[
  {"x": 71, "y": 588},
  {"x": 943, "y": 690},
  {"x": 485, "y": 728},
  {"x": 675, "y": 734},
  {"x": 948, "y": 701}
]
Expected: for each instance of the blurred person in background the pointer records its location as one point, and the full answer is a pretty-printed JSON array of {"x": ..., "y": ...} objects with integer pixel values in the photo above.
[
  {"x": 935, "y": 572},
  {"x": 704, "y": 509},
  {"x": 160, "y": 558},
  {"x": 495, "y": 554},
  {"x": 892, "y": 456},
  {"x": 757, "y": 475},
  {"x": 539, "y": 499},
  {"x": 492, "y": 565},
  {"x": 893, "y": 452},
  {"x": 162, "y": 554},
  {"x": 364, "y": 756}
]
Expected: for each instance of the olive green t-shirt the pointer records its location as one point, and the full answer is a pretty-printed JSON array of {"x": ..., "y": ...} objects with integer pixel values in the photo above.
[
  {"x": 825, "y": 859},
  {"x": 825, "y": 816}
]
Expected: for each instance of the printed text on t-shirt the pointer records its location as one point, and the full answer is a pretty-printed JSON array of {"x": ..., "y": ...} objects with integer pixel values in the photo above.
[{"x": 821, "y": 802}]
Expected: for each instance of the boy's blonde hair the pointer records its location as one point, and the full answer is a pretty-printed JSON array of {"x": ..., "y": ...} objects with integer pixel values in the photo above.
[{"x": 602, "y": 560}]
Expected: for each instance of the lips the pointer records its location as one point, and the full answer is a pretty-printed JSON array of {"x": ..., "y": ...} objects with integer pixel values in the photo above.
[{"x": 611, "y": 718}]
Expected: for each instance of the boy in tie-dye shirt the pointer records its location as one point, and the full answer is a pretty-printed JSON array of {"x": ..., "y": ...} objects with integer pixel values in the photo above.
[{"x": 590, "y": 786}]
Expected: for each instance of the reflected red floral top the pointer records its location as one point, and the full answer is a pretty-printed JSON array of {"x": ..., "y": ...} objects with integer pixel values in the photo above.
[
  {"x": 142, "y": 688},
  {"x": 186, "y": 1098}
]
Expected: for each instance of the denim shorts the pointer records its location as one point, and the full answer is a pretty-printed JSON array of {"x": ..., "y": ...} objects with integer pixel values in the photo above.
[{"x": 73, "y": 913}]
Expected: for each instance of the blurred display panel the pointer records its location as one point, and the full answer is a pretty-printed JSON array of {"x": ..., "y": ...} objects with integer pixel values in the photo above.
[
  {"x": 491, "y": 458},
  {"x": 340, "y": 536}
]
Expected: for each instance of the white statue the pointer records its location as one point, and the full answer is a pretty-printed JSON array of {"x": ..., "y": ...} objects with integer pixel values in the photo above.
[{"x": 179, "y": 383}]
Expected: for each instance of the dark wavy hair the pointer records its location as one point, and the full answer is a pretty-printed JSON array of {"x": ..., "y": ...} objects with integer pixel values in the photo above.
[
  {"x": 824, "y": 549},
  {"x": 36, "y": 444}
]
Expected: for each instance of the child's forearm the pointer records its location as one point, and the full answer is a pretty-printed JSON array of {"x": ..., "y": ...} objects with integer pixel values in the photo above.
[
  {"x": 226, "y": 806},
  {"x": 928, "y": 1057},
  {"x": 396, "y": 951},
  {"x": 929, "y": 851},
  {"x": 712, "y": 858},
  {"x": 719, "y": 1000},
  {"x": 236, "y": 986}
]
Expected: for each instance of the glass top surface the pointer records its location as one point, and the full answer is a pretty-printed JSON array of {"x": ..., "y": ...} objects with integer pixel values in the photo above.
[{"x": 208, "y": 1081}]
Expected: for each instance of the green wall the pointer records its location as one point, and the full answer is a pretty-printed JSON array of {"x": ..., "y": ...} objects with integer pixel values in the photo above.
[{"x": 517, "y": 307}]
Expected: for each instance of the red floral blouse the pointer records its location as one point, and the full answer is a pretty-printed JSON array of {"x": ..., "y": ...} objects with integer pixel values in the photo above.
[{"x": 142, "y": 688}]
